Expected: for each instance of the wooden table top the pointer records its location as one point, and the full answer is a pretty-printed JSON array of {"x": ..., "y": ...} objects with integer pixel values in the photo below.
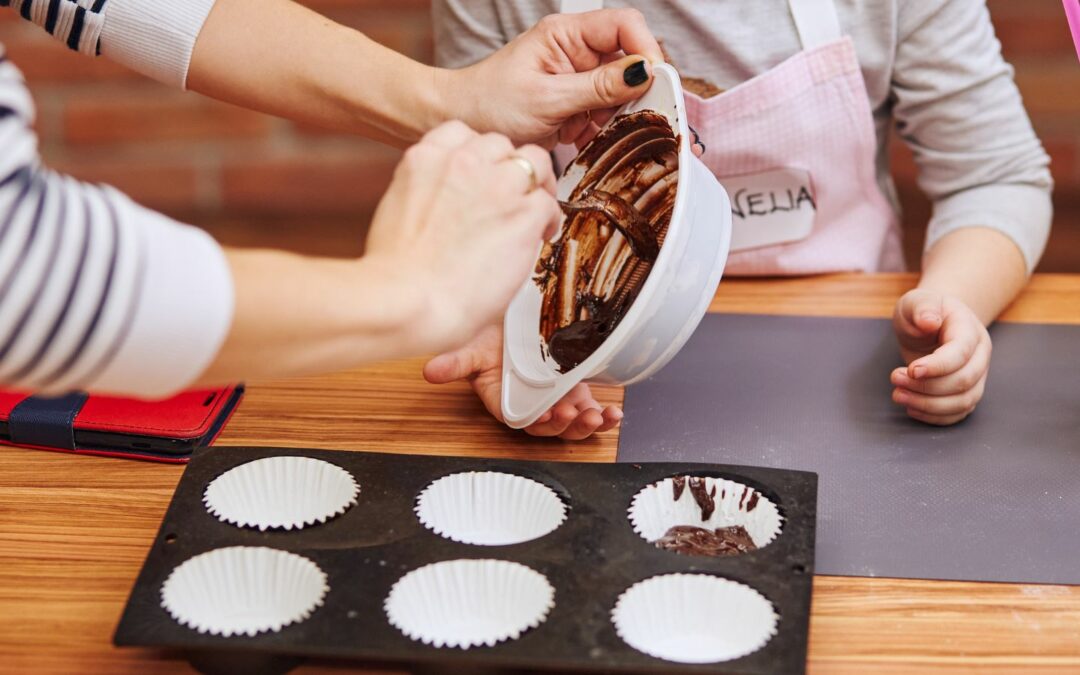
[{"x": 74, "y": 530}]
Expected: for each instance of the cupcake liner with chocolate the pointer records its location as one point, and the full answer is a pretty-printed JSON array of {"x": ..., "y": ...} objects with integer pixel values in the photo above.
[
  {"x": 243, "y": 590},
  {"x": 488, "y": 508},
  {"x": 288, "y": 492},
  {"x": 469, "y": 603},
  {"x": 702, "y": 515},
  {"x": 694, "y": 618}
]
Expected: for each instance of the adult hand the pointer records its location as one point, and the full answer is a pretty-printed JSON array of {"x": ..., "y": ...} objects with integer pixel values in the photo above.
[
  {"x": 541, "y": 87},
  {"x": 577, "y": 416},
  {"x": 460, "y": 228},
  {"x": 947, "y": 349}
]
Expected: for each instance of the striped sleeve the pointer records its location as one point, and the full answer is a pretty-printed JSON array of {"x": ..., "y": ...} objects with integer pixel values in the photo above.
[
  {"x": 153, "y": 37},
  {"x": 96, "y": 292}
]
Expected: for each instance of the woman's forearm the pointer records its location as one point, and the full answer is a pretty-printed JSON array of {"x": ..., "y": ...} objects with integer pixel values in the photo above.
[
  {"x": 279, "y": 57},
  {"x": 296, "y": 315},
  {"x": 452, "y": 240},
  {"x": 980, "y": 266}
]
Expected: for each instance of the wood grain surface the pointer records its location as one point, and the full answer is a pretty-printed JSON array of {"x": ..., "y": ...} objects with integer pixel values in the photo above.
[{"x": 74, "y": 530}]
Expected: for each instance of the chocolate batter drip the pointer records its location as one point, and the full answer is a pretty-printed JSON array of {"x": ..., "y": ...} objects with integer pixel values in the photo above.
[
  {"x": 706, "y": 499},
  {"x": 678, "y": 484},
  {"x": 616, "y": 220},
  {"x": 723, "y": 541}
]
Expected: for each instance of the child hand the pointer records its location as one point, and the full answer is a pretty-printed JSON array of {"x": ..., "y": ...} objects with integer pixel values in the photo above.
[
  {"x": 577, "y": 416},
  {"x": 947, "y": 349}
]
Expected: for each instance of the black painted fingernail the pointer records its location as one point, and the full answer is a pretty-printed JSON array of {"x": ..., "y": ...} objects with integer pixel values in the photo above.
[
  {"x": 635, "y": 74},
  {"x": 697, "y": 139}
]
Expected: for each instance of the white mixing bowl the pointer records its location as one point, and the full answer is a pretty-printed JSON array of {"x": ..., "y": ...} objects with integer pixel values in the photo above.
[{"x": 672, "y": 300}]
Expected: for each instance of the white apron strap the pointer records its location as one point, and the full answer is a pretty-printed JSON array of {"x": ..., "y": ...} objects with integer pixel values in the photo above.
[
  {"x": 816, "y": 22},
  {"x": 576, "y": 6}
]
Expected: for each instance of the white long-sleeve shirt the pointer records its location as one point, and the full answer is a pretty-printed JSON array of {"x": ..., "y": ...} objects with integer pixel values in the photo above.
[
  {"x": 933, "y": 71},
  {"x": 96, "y": 292}
]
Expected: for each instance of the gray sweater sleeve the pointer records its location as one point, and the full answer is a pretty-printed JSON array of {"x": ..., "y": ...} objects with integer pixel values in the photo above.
[
  {"x": 958, "y": 108},
  {"x": 465, "y": 32}
]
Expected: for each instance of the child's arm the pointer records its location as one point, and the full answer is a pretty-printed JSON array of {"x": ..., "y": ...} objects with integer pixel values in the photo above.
[
  {"x": 980, "y": 162},
  {"x": 969, "y": 276}
]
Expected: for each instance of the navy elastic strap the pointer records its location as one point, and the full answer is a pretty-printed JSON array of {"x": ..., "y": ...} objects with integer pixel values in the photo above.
[{"x": 46, "y": 422}]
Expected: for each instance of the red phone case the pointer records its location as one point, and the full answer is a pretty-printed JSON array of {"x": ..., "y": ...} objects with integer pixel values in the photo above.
[{"x": 188, "y": 416}]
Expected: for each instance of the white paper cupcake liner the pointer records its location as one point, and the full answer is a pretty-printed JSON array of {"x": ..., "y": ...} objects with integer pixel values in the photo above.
[
  {"x": 469, "y": 603},
  {"x": 286, "y": 492},
  {"x": 489, "y": 508},
  {"x": 694, "y": 618},
  {"x": 654, "y": 509},
  {"x": 243, "y": 590}
]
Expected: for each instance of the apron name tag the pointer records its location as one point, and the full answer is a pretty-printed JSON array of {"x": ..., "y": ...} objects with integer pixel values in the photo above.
[{"x": 773, "y": 207}]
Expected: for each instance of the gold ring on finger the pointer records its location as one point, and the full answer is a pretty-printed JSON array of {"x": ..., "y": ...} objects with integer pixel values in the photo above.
[{"x": 528, "y": 168}]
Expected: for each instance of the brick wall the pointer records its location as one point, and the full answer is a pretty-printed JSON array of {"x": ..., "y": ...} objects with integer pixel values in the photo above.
[{"x": 256, "y": 180}]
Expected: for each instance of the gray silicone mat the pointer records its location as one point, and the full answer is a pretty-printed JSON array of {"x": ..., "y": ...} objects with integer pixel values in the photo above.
[{"x": 995, "y": 498}]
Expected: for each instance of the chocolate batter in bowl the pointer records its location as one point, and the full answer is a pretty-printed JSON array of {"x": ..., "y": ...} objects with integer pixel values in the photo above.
[
  {"x": 627, "y": 279},
  {"x": 616, "y": 219}
]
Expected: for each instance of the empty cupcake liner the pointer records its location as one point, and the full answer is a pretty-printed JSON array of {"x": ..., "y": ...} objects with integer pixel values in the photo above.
[
  {"x": 663, "y": 505},
  {"x": 488, "y": 508},
  {"x": 469, "y": 603},
  {"x": 243, "y": 590},
  {"x": 694, "y": 618},
  {"x": 288, "y": 492}
]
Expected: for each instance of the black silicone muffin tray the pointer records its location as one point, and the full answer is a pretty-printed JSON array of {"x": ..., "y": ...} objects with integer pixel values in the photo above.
[{"x": 591, "y": 559}]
